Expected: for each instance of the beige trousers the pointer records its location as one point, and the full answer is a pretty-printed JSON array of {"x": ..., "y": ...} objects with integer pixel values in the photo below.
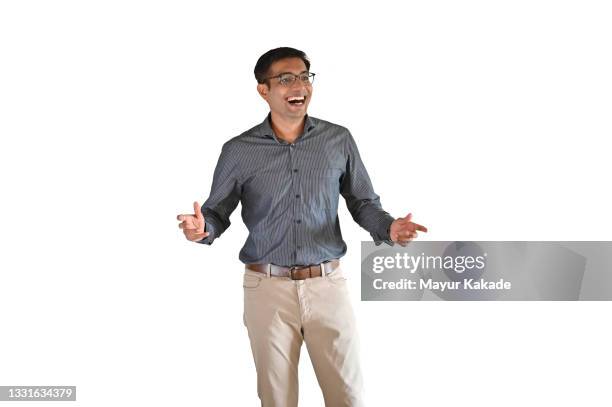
[{"x": 280, "y": 314}]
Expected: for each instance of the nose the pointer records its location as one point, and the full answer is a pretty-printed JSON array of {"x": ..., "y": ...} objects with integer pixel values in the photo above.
[{"x": 299, "y": 83}]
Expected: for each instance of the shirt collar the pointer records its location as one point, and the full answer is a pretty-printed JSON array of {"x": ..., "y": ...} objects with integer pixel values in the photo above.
[{"x": 265, "y": 128}]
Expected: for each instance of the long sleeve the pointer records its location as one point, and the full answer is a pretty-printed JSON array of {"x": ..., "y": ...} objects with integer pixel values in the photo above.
[
  {"x": 361, "y": 200},
  {"x": 224, "y": 196}
]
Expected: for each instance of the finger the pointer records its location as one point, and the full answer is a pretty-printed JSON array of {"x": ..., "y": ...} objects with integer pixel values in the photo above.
[
  {"x": 406, "y": 227},
  {"x": 413, "y": 227},
  {"x": 187, "y": 226},
  {"x": 405, "y": 242},
  {"x": 408, "y": 217},
  {"x": 182, "y": 217},
  {"x": 407, "y": 235},
  {"x": 419, "y": 227},
  {"x": 186, "y": 220},
  {"x": 197, "y": 210}
]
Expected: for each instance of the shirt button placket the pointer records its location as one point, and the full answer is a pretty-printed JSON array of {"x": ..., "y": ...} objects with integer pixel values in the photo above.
[{"x": 296, "y": 208}]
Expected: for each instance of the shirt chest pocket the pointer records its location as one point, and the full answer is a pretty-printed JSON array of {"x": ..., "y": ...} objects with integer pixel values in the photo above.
[{"x": 321, "y": 187}]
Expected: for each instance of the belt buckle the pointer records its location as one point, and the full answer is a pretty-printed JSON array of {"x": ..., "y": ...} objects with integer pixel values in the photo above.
[{"x": 292, "y": 269}]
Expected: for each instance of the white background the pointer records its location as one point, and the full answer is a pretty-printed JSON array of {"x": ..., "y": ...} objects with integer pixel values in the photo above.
[{"x": 488, "y": 120}]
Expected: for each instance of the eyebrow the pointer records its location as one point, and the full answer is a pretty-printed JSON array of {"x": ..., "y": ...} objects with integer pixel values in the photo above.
[{"x": 282, "y": 73}]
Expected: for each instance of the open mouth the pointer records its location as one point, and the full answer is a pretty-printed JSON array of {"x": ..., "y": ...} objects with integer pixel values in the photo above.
[{"x": 296, "y": 100}]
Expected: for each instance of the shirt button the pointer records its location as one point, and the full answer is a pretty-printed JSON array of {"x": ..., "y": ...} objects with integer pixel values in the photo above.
[
  {"x": 295, "y": 170},
  {"x": 298, "y": 221},
  {"x": 297, "y": 196},
  {"x": 292, "y": 145}
]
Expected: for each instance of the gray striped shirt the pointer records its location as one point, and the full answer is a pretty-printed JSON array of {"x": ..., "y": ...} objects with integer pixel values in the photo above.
[{"x": 289, "y": 194}]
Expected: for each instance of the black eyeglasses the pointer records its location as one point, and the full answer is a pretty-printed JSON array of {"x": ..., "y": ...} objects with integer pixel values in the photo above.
[{"x": 287, "y": 79}]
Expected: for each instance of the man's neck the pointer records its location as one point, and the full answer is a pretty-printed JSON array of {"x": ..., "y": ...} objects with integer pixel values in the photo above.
[{"x": 288, "y": 130}]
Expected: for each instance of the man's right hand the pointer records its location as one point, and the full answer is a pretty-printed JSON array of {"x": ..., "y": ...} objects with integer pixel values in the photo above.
[{"x": 193, "y": 225}]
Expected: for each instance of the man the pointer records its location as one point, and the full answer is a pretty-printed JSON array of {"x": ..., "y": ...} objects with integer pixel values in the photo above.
[{"x": 288, "y": 173}]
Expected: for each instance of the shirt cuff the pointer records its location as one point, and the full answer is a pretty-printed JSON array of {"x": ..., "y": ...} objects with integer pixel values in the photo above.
[
  {"x": 211, "y": 230},
  {"x": 384, "y": 232}
]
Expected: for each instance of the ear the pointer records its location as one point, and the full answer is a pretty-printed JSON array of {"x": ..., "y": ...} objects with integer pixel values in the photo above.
[{"x": 262, "y": 89}]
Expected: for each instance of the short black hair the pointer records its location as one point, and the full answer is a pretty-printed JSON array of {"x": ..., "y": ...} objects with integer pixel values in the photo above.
[{"x": 266, "y": 60}]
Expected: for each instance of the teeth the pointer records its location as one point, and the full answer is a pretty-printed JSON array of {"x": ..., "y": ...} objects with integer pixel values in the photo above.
[{"x": 292, "y": 98}]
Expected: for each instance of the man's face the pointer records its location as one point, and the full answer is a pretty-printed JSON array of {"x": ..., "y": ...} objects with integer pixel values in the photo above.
[{"x": 278, "y": 96}]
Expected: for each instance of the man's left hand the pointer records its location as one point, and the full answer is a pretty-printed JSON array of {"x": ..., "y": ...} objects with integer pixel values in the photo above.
[{"x": 403, "y": 230}]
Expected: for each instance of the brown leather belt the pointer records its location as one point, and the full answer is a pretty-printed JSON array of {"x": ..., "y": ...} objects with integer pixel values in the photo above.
[{"x": 296, "y": 272}]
